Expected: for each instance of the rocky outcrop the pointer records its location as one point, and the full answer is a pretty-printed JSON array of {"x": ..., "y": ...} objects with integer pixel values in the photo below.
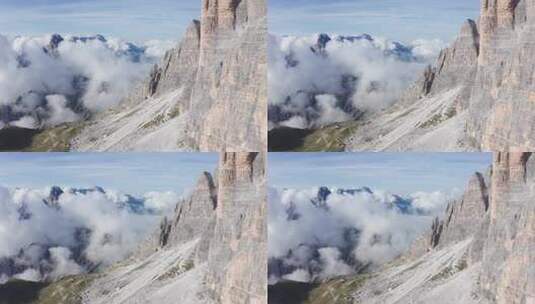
[
  {"x": 194, "y": 218},
  {"x": 462, "y": 219},
  {"x": 493, "y": 63},
  {"x": 480, "y": 252},
  {"x": 178, "y": 68},
  {"x": 435, "y": 106},
  {"x": 456, "y": 65}
]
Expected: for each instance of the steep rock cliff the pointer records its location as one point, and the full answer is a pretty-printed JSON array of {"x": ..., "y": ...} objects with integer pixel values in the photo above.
[
  {"x": 480, "y": 92},
  {"x": 207, "y": 94},
  {"x": 237, "y": 258},
  {"x": 213, "y": 250},
  {"x": 230, "y": 93},
  {"x": 481, "y": 250},
  {"x": 501, "y": 104},
  {"x": 508, "y": 271},
  {"x": 502, "y": 237}
]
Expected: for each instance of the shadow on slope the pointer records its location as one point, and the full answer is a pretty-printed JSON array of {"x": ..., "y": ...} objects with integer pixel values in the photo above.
[
  {"x": 333, "y": 291},
  {"x": 20, "y": 292},
  {"x": 33, "y": 140},
  {"x": 330, "y": 138},
  {"x": 289, "y": 292},
  {"x": 65, "y": 291},
  {"x": 16, "y": 139}
]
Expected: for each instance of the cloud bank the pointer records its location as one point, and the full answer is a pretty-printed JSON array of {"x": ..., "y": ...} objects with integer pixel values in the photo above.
[
  {"x": 49, "y": 80},
  {"x": 321, "y": 233},
  {"x": 49, "y": 233},
  {"x": 321, "y": 79}
]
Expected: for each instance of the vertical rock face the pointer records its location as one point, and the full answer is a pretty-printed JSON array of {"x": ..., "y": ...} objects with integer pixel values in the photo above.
[
  {"x": 222, "y": 64},
  {"x": 212, "y": 251},
  {"x": 508, "y": 272},
  {"x": 230, "y": 95},
  {"x": 502, "y": 104},
  {"x": 493, "y": 63},
  {"x": 238, "y": 251}
]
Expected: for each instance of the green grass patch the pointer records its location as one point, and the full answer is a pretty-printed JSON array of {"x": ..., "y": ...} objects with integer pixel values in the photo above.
[
  {"x": 180, "y": 268},
  {"x": 156, "y": 121},
  {"x": 439, "y": 118},
  {"x": 450, "y": 271},
  {"x": 174, "y": 112}
]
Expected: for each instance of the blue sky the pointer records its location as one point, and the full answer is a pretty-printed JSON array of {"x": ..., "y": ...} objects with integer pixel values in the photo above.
[
  {"x": 401, "y": 173},
  {"x": 135, "y": 20},
  {"x": 402, "y": 20},
  {"x": 133, "y": 173}
]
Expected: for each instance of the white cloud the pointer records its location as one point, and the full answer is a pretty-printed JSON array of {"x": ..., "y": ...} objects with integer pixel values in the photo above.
[
  {"x": 158, "y": 48},
  {"x": 323, "y": 239},
  {"x": 43, "y": 85},
  {"x": 79, "y": 230},
  {"x": 322, "y": 85},
  {"x": 30, "y": 274},
  {"x": 59, "y": 112},
  {"x": 62, "y": 263}
]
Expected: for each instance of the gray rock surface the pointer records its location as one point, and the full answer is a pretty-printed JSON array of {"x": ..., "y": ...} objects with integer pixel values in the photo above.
[
  {"x": 230, "y": 93},
  {"x": 502, "y": 108},
  {"x": 238, "y": 251},
  {"x": 508, "y": 261}
]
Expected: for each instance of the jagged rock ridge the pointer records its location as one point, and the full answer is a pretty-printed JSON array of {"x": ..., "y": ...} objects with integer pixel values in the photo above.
[{"x": 217, "y": 71}]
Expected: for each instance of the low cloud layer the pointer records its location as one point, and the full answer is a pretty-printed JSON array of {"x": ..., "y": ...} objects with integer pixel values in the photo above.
[
  {"x": 49, "y": 233},
  {"x": 49, "y": 80},
  {"x": 322, "y": 233},
  {"x": 318, "y": 80}
]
